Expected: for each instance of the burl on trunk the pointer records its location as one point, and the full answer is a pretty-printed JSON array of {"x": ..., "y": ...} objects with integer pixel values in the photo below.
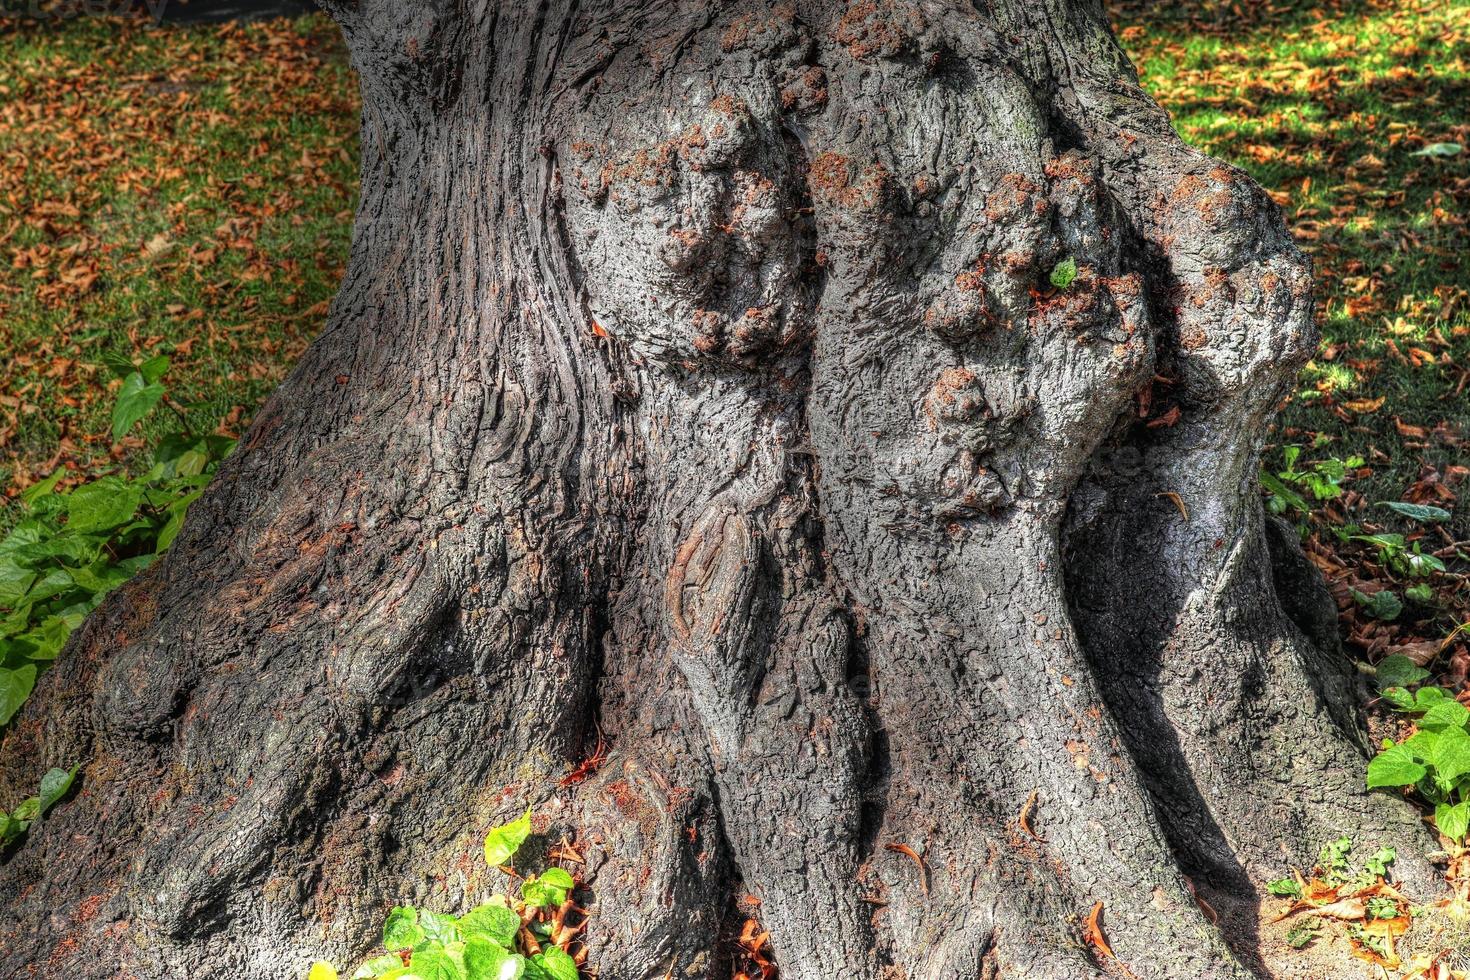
[{"x": 849, "y": 411}]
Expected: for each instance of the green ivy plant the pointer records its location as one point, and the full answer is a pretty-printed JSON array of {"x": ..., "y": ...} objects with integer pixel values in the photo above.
[
  {"x": 1335, "y": 874},
  {"x": 1435, "y": 760},
  {"x": 521, "y": 937},
  {"x": 1322, "y": 480},
  {"x": 1336, "y": 868},
  {"x": 1064, "y": 273},
  {"x": 71, "y": 547},
  {"x": 1400, "y": 557},
  {"x": 15, "y": 824}
]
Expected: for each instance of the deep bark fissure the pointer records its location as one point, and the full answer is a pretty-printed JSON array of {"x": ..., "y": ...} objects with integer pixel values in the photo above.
[{"x": 697, "y": 387}]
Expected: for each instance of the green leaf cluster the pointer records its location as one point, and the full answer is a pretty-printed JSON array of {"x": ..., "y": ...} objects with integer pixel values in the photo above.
[
  {"x": 1064, "y": 273},
  {"x": 1320, "y": 479},
  {"x": 479, "y": 945},
  {"x": 486, "y": 943},
  {"x": 1402, "y": 558},
  {"x": 54, "y": 785},
  {"x": 1435, "y": 760},
  {"x": 70, "y": 548}
]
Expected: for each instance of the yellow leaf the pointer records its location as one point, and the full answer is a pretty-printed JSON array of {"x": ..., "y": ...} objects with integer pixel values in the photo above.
[{"x": 322, "y": 970}]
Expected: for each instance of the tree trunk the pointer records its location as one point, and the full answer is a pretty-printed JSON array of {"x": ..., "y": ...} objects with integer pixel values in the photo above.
[{"x": 701, "y": 383}]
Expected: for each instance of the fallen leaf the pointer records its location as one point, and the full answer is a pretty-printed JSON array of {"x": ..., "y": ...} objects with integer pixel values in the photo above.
[
  {"x": 1024, "y": 820},
  {"x": 1177, "y": 500},
  {"x": 909, "y": 852},
  {"x": 1347, "y": 909},
  {"x": 1093, "y": 932}
]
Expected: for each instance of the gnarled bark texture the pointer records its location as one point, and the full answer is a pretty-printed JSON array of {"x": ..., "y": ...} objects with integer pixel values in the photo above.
[{"x": 697, "y": 381}]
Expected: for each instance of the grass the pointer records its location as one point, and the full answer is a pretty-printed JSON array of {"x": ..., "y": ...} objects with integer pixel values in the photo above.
[
  {"x": 162, "y": 191},
  {"x": 1325, "y": 105}
]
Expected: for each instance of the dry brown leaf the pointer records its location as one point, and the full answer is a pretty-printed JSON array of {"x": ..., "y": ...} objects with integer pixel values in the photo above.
[
  {"x": 1024, "y": 820},
  {"x": 1177, "y": 500},
  {"x": 1347, "y": 909},
  {"x": 1094, "y": 934},
  {"x": 913, "y": 856}
]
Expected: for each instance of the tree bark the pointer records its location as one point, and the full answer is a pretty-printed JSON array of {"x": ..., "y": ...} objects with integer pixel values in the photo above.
[{"x": 698, "y": 385}]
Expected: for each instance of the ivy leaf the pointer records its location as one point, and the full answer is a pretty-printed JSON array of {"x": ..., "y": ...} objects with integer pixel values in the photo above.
[
  {"x": 1377, "y": 865},
  {"x": 433, "y": 963},
  {"x": 502, "y": 843},
  {"x": 15, "y": 581},
  {"x": 15, "y": 686},
  {"x": 1382, "y": 605},
  {"x": 1399, "y": 671},
  {"x": 557, "y": 964},
  {"x": 558, "y": 878},
  {"x": 1417, "y": 512},
  {"x": 1452, "y": 821},
  {"x": 1451, "y": 758},
  {"x": 1285, "y": 888},
  {"x": 102, "y": 504},
  {"x": 1401, "y": 699},
  {"x": 1394, "y": 766},
  {"x": 437, "y": 928},
  {"x": 1439, "y": 150},
  {"x": 10, "y": 829},
  {"x": 1064, "y": 273},
  {"x": 485, "y": 960},
  {"x": 135, "y": 399},
  {"x": 550, "y": 888},
  {"x": 379, "y": 966},
  {"x": 493, "y": 922},
  {"x": 1444, "y": 714},
  {"x": 1427, "y": 697},
  {"x": 402, "y": 931},
  {"x": 54, "y": 786}
]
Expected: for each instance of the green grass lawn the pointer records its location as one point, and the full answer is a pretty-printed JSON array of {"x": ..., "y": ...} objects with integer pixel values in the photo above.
[
  {"x": 186, "y": 192},
  {"x": 1326, "y": 105}
]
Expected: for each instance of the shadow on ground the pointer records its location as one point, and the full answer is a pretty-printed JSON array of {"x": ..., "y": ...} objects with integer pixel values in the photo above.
[{"x": 214, "y": 11}]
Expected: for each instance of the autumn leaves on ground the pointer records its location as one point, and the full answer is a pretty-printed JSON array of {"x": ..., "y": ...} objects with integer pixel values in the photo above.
[{"x": 190, "y": 193}]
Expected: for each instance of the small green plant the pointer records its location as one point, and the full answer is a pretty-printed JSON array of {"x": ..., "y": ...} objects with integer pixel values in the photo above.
[
  {"x": 1383, "y": 604},
  {"x": 1304, "y": 933},
  {"x": 54, "y": 785},
  {"x": 1420, "y": 592},
  {"x": 1064, "y": 273},
  {"x": 1435, "y": 760},
  {"x": 1285, "y": 888},
  {"x": 71, "y": 547},
  {"x": 1378, "y": 944},
  {"x": 522, "y": 937},
  {"x": 1333, "y": 864},
  {"x": 1380, "y": 907},
  {"x": 1336, "y": 877},
  {"x": 1423, "y": 513},
  {"x": 1322, "y": 480},
  {"x": 1335, "y": 869},
  {"x": 1400, "y": 557}
]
